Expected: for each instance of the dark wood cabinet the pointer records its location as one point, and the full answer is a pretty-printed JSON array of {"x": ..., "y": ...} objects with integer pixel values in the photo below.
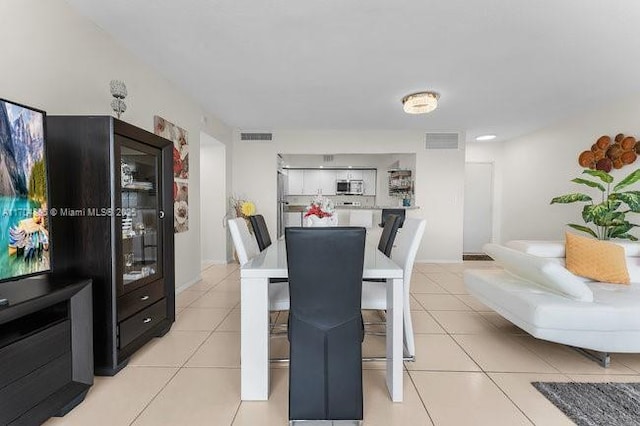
[
  {"x": 112, "y": 194},
  {"x": 46, "y": 361}
]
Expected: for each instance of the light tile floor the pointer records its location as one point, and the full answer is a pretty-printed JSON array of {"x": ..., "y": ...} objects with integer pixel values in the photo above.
[{"x": 472, "y": 366}]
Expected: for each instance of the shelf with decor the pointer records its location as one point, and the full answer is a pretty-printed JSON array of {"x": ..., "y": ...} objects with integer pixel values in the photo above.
[{"x": 400, "y": 183}]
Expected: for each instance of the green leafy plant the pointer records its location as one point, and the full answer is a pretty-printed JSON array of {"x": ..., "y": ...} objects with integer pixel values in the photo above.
[{"x": 609, "y": 215}]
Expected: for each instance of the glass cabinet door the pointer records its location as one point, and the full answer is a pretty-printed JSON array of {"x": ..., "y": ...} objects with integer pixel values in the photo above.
[{"x": 140, "y": 214}]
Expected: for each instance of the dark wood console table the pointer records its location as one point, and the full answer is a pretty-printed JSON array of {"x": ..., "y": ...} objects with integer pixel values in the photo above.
[{"x": 46, "y": 348}]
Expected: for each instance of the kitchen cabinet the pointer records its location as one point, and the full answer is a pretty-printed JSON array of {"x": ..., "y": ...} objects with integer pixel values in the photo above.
[
  {"x": 296, "y": 182},
  {"x": 370, "y": 182},
  {"x": 121, "y": 178},
  {"x": 319, "y": 182},
  {"x": 349, "y": 174},
  {"x": 311, "y": 182}
]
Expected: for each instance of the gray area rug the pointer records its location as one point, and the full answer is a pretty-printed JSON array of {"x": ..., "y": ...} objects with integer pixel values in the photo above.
[{"x": 595, "y": 404}]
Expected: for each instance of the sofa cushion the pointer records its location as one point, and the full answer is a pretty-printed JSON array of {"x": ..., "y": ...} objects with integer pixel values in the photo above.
[
  {"x": 601, "y": 260},
  {"x": 556, "y": 249},
  {"x": 538, "y": 248},
  {"x": 614, "y": 308},
  {"x": 540, "y": 271}
]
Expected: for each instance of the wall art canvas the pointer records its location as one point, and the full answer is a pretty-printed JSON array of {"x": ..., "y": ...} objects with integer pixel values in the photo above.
[
  {"x": 181, "y": 205},
  {"x": 178, "y": 136}
]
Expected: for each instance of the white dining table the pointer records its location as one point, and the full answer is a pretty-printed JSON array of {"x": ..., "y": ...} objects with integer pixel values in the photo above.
[{"x": 254, "y": 340}]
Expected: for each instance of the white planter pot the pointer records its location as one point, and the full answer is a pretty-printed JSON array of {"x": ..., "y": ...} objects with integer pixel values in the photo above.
[{"x": 315, "y": 221}]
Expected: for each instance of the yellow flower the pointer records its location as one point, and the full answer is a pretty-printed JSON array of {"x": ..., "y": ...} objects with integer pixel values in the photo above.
[{"x": 248, "y": 208}]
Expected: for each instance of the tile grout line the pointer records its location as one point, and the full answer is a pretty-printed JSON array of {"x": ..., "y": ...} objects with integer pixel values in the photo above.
[
  {"x": 184, "y": 363},
  {"x": 154, "y": 396},
  {"x": 421, "y": 399}
]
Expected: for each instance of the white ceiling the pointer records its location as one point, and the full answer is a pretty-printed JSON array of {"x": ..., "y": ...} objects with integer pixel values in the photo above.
[{"x": 501, "y": 66}]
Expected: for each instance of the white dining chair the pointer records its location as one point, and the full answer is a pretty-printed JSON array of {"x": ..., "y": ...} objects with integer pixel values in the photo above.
[
  {"x": 362, "y": 218},
  {"x": 374, "y": 294},
  {"x": 247, "y": 248}
]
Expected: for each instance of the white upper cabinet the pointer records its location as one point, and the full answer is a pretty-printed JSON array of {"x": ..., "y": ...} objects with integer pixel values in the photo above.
[
  {"x": 328, "y": 182},
  {"x": 319, "y": 182},
  {"x": 370, "y": 182},
  {"x": 349, "y": 174},
  {"x": 311, "y": 182},
  {"x": 296, "y": 182}
]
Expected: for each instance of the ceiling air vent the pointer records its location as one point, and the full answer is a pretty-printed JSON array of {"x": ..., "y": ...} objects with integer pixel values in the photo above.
[
  {"x": 258, "y": 137},
  {"x": 327, "y": 158},
  {"x": 441, "y": 141}
]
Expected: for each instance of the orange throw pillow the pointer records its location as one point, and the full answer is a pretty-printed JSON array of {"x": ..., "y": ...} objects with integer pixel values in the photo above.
[{"x": 599, "y": 260}]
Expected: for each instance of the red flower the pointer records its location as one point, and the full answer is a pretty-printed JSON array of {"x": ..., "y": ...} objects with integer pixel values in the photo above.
[
  {"x": 177, "y": 162},
  {"x": 315, "y": 210}
]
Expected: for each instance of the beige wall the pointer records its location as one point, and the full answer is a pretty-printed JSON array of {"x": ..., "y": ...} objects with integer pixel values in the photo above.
[
  {"x": 57, "y": 60},
  {"x": 439, "y": 177},
  {"x": 540, "y": 166}
]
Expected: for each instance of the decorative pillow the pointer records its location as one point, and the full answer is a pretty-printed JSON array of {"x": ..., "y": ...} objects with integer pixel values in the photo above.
[
  {"x": 541, "y": 271},
  {"x": 601, "y": 260}
]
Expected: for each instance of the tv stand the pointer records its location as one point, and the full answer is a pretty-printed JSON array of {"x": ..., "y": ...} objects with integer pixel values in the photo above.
[{"x": 46, "y": 348}]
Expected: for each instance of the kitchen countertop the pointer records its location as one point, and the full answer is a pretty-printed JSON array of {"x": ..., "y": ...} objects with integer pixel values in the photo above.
[
  {"x": 375, "y": 207},
  {"x": 301, "y": 208}
]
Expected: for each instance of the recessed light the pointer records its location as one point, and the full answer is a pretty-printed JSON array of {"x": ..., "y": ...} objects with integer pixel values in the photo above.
[
  {"x": 351, "y": 167},
  {"x": 322, "y": 167},
  {"x": 486, "y": 138}
]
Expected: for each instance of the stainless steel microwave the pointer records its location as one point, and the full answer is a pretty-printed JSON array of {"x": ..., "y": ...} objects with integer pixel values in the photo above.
[{"x": 350, "y": 187}]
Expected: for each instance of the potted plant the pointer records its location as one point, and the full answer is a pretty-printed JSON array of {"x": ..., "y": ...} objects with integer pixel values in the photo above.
[{"x": 608, "y": 216}]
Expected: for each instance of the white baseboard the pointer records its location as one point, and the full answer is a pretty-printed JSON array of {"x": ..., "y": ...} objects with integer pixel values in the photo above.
[
  {"x": 209, "y": 262},
  {"x": 438, "y": 261},
  {"x": 188, "y": 284}
]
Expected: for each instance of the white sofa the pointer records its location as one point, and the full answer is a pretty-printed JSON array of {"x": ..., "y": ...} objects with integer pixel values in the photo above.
[{"x": 538, "y": 294}]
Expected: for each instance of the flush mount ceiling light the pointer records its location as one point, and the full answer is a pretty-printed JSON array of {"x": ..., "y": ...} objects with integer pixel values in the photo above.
[
  {"x": 486, "y": 138},
  {"x": 420, "y": 103}
]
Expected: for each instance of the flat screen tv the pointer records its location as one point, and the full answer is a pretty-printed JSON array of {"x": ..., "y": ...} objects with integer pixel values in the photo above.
[{"x": 24, "y": 225}]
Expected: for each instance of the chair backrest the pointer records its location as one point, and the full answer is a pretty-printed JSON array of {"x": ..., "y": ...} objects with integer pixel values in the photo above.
[
  {"x": 261, "y": 231},
  {"x": 406, "y": 247},
  {"x": 325, "y": 322},
  {"x": 388, "y": 235},
  {"x": 325, "y": 272},
  {"x": 246, "y": 246},
  {"x": 398, "y": 212}
]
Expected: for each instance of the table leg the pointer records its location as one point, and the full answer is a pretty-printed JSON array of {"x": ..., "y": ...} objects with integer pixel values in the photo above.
[
  {"x": 394, "y": 339},
  {"x": 254, "y": 339}
]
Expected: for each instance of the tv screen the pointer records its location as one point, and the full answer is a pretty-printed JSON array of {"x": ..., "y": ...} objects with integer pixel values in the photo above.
[{"x": 24, "y": 226}]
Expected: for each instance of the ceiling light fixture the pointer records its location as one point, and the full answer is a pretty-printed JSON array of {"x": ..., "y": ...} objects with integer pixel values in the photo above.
[
  {"x": 486, "y": 138},
  {"x": 420, "y": 102}
]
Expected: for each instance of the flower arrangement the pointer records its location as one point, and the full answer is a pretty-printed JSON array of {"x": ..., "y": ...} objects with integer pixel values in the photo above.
[
  {"x": 321, "y": 207},
  {"x": 242, "y": 208}
]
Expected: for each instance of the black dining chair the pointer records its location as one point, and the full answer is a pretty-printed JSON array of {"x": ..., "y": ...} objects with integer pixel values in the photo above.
[
  {"x": 385, "y": 244},
  {"x": 388, "y": 236},
  {"x": 325, "y": 322},
  {"x": 260, "y": 231},
  {"x": 398, "y": 212}
]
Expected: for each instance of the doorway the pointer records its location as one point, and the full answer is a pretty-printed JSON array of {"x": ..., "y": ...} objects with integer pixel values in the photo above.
[
  {"x": 213, "y": 206},
  {"x": 478, "y": 208}
]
